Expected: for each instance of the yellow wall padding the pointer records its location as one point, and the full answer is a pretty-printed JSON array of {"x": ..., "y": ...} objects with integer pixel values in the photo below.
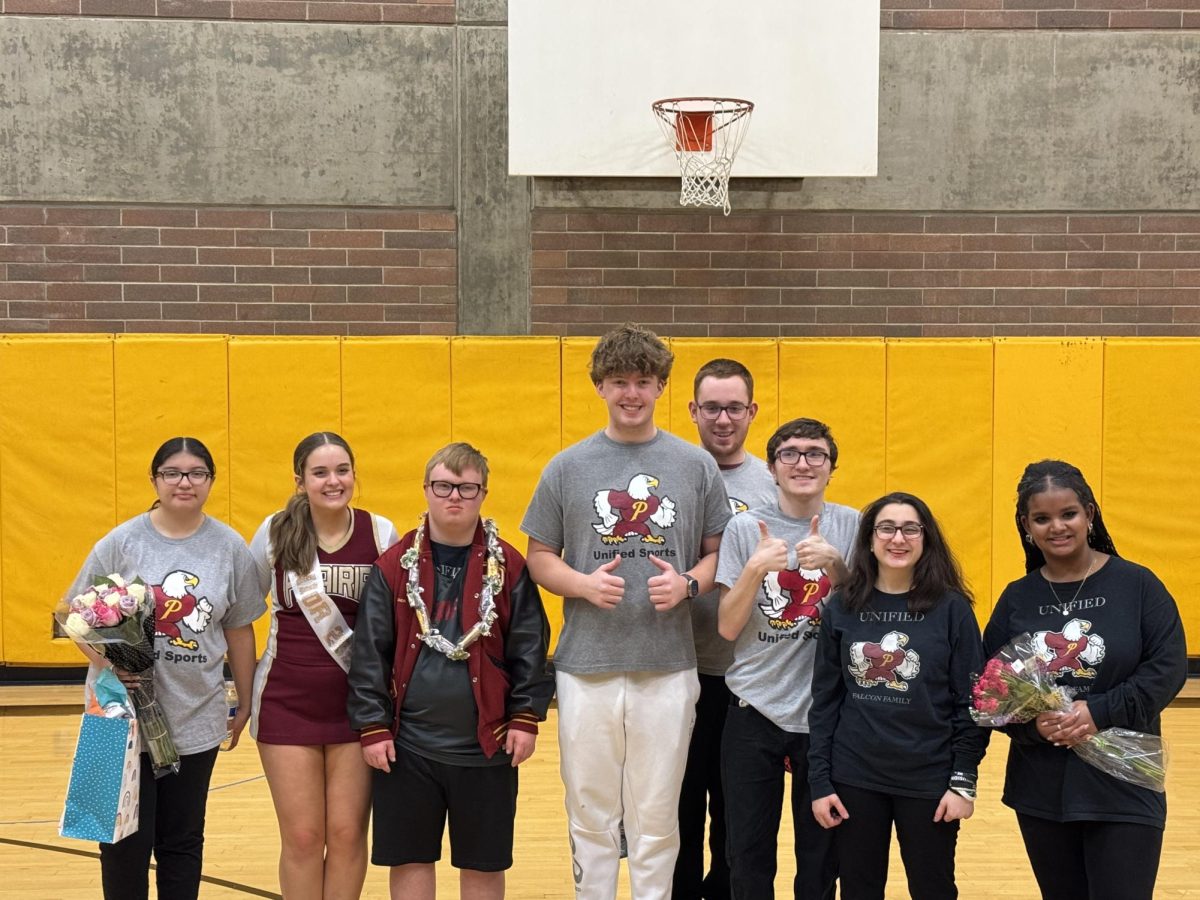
[
  {"x": 280, "y": 389},
  {"x": 953, "y": 421},
  {"x": 939, "y": 443},
  {"x": 1048, "y": 404},
  {"x": 841, "y": 383},
  {"x": 506, "y": 404},
  {"x": 395, "y": 414},
  {"x": 56, "y": 480},
  {"x": 169, "y": 387},
  {"x": 1151, "y": 457}
]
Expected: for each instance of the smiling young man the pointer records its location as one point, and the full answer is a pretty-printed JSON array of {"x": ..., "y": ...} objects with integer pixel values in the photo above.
[
  {"x": 625, "y": 526},
  {"x": 778, "y": 563},
  {"x": 723, "y": 409},
  {"x": 447, "y": 684}
]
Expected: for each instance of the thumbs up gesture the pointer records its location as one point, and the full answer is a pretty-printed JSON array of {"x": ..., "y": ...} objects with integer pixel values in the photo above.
[
  {"x": 814, "y": 552},
  {"x": 771, "y": 554},
  {"x": 602, "y": 588},
  {"x": 667, "y": 588}
]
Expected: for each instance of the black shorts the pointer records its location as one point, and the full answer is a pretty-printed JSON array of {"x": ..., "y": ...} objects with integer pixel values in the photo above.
[{"x": 410, "y": 804}]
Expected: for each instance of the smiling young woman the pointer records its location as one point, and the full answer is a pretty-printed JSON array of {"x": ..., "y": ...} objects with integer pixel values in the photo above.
[
  {"x": 898, "y": 644},
  {"x": 314, "y": 556},
  {"x": 206, "y": 597},
  {"x": 1113, "y": 634}
]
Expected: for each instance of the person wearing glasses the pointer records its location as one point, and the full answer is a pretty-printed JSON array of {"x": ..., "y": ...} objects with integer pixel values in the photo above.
[
  {"x": 313, "y": 556},
  {"x": 778, "y": 563},
  {"x": 206, "y": 597},
  {"x": 892, "y": 739},
  {"x": 1114, "y": 635},
  {"x": 722, "y": 408},
  {"x": 448, "y": 683},
  {"x": 625, "y": 525}
]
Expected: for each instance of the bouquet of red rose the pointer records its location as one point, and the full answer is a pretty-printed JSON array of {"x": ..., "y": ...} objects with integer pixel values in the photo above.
[
  {"x": 115, "y": 617},
  {"x": 1016, "y": 685}
]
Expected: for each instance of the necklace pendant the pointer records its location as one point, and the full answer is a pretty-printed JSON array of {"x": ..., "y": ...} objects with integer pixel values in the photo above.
[{"x": 458, "y": 654}]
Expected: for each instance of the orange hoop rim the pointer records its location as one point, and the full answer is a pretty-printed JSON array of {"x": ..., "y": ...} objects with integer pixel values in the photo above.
[{"x": 740, "y": 106}]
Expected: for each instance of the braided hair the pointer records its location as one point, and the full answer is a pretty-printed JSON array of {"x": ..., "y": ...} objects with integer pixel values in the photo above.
[{"x": 1054, "y": 473}]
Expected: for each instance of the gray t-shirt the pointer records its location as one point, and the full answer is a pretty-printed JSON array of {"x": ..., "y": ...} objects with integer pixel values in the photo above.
[
  {"x": 202, "y": 584},
  {"x": 749, "y": 484},
  {"x": 773, "y": 656},
  {"x": 602, "y": 498}
]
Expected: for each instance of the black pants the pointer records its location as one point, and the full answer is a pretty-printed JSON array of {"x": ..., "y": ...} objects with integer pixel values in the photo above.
[
  {"x": 171, "y": 825},
  {"x": 1092, "y": 860},
  {"x": 701, "y": 798},
  {"x": 753, "y": 749},
  {"x": 864, "y": 841}
]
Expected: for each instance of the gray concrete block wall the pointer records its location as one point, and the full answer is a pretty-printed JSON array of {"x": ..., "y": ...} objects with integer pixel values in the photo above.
[{"x": 126, "y": 111}]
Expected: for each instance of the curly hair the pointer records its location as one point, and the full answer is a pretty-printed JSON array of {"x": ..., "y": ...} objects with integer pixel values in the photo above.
[{"x": 631, "y": 348}]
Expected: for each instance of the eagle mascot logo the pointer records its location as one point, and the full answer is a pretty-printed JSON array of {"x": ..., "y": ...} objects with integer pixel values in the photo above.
[
  {"x": 737, "y": 506},
  {"x": 630, "y": 512},
  {"x": 1071, "y": 651},
  {"x": 886, "y": 663},
  {"x": 792, "y": 595},
  {"x": 174, "y": 603}
]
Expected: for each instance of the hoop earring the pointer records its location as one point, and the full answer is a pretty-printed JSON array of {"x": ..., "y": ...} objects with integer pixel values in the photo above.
[{"x": 1028, "y": 538}]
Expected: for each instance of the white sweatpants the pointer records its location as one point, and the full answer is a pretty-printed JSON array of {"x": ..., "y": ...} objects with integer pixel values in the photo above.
[{"x": 623, "y": 741}]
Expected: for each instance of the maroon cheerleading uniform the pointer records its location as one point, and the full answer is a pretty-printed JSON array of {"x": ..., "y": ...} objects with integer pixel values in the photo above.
[{"x": 300, "y": 691}]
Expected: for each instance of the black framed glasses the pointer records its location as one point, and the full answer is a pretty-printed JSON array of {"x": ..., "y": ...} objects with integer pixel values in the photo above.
[
  {"x": 735, "y": 411},
  {"x": 174, "y": 476},
  {"x": 468, "y": 490},
  {"x": 791, "y": 456},
  {"x": 910, "y": 530}
]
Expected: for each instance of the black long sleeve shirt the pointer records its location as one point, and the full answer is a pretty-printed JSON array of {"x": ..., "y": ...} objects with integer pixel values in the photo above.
[
  {"x": 1120, "y": 645},
  {"x": 891, "y": 697}
]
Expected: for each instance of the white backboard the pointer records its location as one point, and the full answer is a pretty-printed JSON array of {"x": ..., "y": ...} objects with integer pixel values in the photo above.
[{"x": 582, "y": 76}]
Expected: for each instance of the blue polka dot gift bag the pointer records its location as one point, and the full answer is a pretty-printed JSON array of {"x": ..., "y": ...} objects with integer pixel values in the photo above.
[{"x": 102, "y": 796}]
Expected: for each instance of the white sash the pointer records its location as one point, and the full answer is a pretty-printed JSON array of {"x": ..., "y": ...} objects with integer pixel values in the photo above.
[{"x": 322, "y": 614}]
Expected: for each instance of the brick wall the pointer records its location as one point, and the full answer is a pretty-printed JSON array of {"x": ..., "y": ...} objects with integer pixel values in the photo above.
[
  {"x": 1046, "y": 14},
  {"x": 389, "y": 11},
  {"x": 224, "y": 270},
  {"x": 838, "y": 274}
]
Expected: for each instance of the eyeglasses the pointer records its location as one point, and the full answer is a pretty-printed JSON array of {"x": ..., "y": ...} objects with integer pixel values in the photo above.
[
  {"x": 468, "y": 490},
  {"x": 791, "y": 456},
  {"x": 910, "y": 530},
  {"x": 735, "y": 411},
  {"x": 174, "y": 476}
]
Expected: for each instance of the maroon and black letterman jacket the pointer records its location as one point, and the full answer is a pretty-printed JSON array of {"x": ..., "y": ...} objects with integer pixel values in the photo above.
[{"x": 510, "y": 677}]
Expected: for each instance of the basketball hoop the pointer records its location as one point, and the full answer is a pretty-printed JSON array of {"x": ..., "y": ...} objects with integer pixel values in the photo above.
[{"x": 705, "y": 133}]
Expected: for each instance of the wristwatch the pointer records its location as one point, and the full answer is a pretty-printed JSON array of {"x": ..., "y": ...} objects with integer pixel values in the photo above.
[{"x": 693, "y": 586}]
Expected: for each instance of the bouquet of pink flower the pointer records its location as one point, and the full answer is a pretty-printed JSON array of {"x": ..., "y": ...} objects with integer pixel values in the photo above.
[
  {"x": 1016, "y": 685},
  {"x": 115, "y": 617}
]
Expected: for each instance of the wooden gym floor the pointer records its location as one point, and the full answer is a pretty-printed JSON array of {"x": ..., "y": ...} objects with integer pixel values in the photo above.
[{"x": 38, "y": 727}]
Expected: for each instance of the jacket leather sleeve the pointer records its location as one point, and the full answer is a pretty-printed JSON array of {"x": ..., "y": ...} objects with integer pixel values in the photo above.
[
  {"x": 370, "y": 704},
  {"x": 525, "y": 648}
]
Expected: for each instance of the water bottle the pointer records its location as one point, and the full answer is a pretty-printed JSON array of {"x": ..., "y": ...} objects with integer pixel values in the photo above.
[{"x": 231, "y": 701}]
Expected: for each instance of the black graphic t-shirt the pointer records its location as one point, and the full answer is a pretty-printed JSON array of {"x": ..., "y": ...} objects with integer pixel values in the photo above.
[{"x": 439, "y": 718}]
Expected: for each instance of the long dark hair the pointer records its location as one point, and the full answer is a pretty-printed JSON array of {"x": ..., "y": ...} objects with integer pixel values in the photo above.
[
  {"x": 936, "y": 573},
  {"x": 181, "y": 445},
  {"x": 293, "y": 535},
  {"x": 1045, "y": 475}
]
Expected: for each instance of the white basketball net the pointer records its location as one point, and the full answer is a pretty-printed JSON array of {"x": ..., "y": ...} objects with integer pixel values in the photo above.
[{"x": 705, "y": 133}]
